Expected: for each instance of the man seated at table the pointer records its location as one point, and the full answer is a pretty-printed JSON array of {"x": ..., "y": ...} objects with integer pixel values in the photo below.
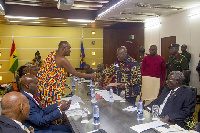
[
  {"x": 88, "y": 70},
  {"x": 41, "y": 118},
  {"x": 176, "y": 102},
  {"x": 15, "y": 109}
]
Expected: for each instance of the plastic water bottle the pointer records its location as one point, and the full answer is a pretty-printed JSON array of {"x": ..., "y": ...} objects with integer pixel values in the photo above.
[
  {"x": 73, "y": 85},
  {"x": 71, "y": 78},
  {"x": 91, "y": 84},
  {"x": 73, "y": 81},
  {"x": 111, "y": 95},
  {"x": 96, "y": 114},
  {"x": 139, "y": 110},
  {"x": 93, "y": 100}
]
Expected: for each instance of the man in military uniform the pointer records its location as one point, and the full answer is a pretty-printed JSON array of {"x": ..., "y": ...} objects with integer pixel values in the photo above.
[
  {"x": 176, "y": 61},
  {"x": 185, "y": 53}
]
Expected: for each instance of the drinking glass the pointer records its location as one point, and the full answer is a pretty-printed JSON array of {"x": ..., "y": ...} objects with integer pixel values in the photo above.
[{"x": 155, "y": 111}]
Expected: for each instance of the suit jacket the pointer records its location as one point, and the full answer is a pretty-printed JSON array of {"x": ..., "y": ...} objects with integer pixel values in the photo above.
[
  {"x": 180, "y": 106},
  {"x": 7, "y": 125},
  {"x": 40, "y": 118}
]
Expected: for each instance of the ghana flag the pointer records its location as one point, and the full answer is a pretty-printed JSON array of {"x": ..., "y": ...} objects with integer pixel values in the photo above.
[
  {"x": 13, "y": 59},
  {"x": 82, "y": 56}
]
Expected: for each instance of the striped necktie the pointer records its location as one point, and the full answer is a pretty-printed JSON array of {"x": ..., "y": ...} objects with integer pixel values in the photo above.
[{"x": 26, "y": 129}]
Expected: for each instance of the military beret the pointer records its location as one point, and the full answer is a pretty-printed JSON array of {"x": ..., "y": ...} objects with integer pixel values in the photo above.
[{"x": 173, "y": 45}]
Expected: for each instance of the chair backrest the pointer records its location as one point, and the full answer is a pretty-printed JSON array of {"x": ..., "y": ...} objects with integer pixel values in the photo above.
[
  {"x": 150, "y": 88},
  {"x": 187, "y": 76},
  {"x": 194, "y": 89}
]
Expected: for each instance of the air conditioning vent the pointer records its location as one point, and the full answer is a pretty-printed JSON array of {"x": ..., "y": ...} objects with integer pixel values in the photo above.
[
  {"x": 65, "y": 4},
  {"x": 158, "y": 6}
]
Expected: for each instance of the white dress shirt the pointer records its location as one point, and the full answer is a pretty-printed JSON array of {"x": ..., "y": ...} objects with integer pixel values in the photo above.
[{"x": 164, "y": 102}]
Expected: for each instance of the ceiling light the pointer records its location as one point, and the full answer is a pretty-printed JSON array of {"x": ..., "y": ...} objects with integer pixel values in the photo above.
[
  {"x": 1, "y": 7},
  {"x": 21, "y": 17},
  {"x": 111, "y": 8},
  {"x": 84, "y": 5},
  {"x": 14, "y": 21},
  {"x": 35, "y": 22},
  {"x": 81, "y": 20},
  {"x": 194, "y": 13},
  {"x": 152, "y": 23}
]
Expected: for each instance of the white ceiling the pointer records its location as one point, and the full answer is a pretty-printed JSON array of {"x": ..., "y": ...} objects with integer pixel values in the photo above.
[{"x": 128, "y": 10}]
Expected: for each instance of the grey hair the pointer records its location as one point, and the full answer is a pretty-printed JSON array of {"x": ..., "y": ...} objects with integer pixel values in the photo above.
[{"x": 178, "y": 75}]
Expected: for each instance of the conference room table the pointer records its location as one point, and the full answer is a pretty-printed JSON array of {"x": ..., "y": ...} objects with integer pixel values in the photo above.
[{"x": 112, "y": 118}]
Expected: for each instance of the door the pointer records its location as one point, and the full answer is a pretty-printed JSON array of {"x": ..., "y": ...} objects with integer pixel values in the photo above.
[{"x": 165, "y": 42}]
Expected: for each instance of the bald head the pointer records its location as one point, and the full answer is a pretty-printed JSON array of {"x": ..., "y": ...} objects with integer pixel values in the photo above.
[
  {"x": 29, "y": 84},
  {"x": 121, "y": 53},
  {"x": 33, "y": 70},
  {"x": 15, "y": 106},
  {"x": 64, "y": 48}
]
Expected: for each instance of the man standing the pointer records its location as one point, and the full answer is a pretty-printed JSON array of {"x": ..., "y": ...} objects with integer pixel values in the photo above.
[
  {"x": 185, "y": 52},
  {"x": 126, "y": 71},
  {"x": 176, "y": 102},
  {"x": 52, "y": 75},
  {"x": 154, "y": 65},
  {"x": 176, "y": 61},
  {"x": 15, "y": 109}
]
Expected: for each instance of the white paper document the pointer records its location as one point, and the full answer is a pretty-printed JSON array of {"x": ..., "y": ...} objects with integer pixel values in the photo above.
[
  {"x": 106, "y": 96},
  {"x": 74, "y": 106},
  {"x": 142, "y": 127},
  {"x": 74, "y": 112},
  {"x": 130, "y": 108},
  {"x": 175, "y": 129},
  {"x": 75, "y": 99}
]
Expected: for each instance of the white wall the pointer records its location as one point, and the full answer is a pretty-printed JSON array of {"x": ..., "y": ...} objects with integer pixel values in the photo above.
[{"x": 187, "y": 31}]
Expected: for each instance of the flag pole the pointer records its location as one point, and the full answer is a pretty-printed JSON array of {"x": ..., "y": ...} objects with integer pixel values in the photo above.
[{"x": 11, "y": 47}]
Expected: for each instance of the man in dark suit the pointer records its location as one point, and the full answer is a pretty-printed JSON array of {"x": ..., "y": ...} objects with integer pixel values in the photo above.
[
  {"x": 176, "y": 102},
  {"x": 41, "y": 118},
  {"x": 15, "y": 109}
]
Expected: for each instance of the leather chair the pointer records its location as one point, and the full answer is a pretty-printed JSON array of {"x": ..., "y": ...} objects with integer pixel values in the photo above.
[{"x": 187, "y": 77}]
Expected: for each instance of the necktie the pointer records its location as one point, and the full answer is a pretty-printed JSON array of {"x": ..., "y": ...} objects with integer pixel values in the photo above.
[
  {"x": 26, "y": 129},
  {"x": 172, "y": 93},
  {"x": 38, "y": 101}
]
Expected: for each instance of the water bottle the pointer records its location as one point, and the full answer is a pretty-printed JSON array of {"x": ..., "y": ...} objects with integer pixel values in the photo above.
[
  {"x": 73, "y": 85},
  {"x": 93, "y": 100},
  {"x": 111, "y": 95},
  {"x": 139, "y": 110},
  {"x": 91, "y": 84},
  {"x": 73, "y": 81},
  {"x": 96, "y": 114}
]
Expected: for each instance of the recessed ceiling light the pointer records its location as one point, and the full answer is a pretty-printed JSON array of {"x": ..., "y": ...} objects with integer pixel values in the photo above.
[
  {"x": 14, "y": 21},
  {"x": 35, "y": 22},
  {"x": 80, "y": 20},
  {"x": 21, "y": 17}
]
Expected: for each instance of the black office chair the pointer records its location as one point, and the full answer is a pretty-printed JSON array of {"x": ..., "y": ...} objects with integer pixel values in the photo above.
[
  {"x": 187, "y": 77},
  {"x": 187, "y": 123}
]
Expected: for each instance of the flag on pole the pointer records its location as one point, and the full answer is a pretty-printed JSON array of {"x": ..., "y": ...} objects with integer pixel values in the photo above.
[
  {"x": 13, "y": 59},
  {"x": 82, "y": 56}
]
